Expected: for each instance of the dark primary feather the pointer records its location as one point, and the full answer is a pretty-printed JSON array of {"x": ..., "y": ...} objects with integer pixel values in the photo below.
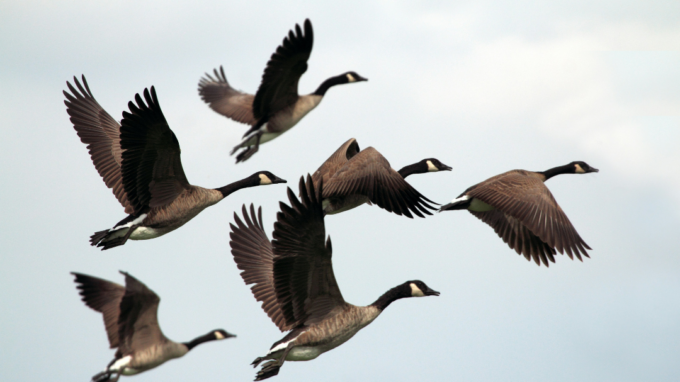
[
  {"x": 253, "y": 254},
  {"x": 101, "y": 133},
  {"x": 279, "y": 87},
  {"x": 138, "y": 322},
  {"x": 524, "y": 197},
  {"x": 305, "y": 285},
  {"x": 296, "y": 267},
  {"x": 368, "y": 173},
  {"x": 224, "y": 99},
  {"x": 152, "y": 169},
  {"x": 102, "y": 296}
]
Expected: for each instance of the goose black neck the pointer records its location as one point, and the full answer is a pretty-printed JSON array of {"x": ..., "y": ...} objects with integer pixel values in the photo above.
[
  {"x": 566, "y": 169},
  {"x": 199, "y": 340},
  {"x": 323, "y": 88},
  {"x": 391, "y": 295},
  {"x": 415, "y": 168},
  {"x": 239, "y": 184}
]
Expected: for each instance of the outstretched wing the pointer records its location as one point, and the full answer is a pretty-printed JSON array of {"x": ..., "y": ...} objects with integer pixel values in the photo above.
[
  {"x": 104, "y": 297},
  {"x": 221, "y": 97},
  {"x": 253, "y": 254},
  {"x": 338, "y": 159},
  {"x": 305, "y": 285},
  {"x": 368, "y": 173},
  {"x": 152, "y": 169},
  {"x": 518, "y": 236},
  {"x": 101, "y": 133},
  {"x": 535, "y": 207},
  {"x": 279, "y": 87},
  {"x": 138, "y": 320}
]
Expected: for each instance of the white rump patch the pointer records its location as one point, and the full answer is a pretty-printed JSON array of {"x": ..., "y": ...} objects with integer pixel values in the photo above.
[
  {"x": 431, "y": 167},
  {"x": 130, "y": 224},
  {"x": 415, "y": 291},
  {"x": 121, "y": 363},
  {"x": 461, "y": 199},
  {"x": 282, "y": 345},
  {"x": 351, "y": 78},
  {"x": 264, "y": 179},
  {"x": 579, "y": 169}
]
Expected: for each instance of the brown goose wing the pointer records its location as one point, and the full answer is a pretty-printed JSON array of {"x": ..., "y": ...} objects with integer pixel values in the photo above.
[
  {"x": 338, "y": 159},
  {"x": 104, "y": 297},
  {"x": 524, "y": 197},
  {"x": 305, "y": 285},
  {"x": 101, "y": 133},
  {"x": 221, "y": 97},
  {"x": 517, "y": 236},
  {"x": 152, "y": 169},
  {"x": 138, "y": 321},
  {"x": 279, "y": 87},
  {"x": 253, "y": 254},
  {"x": 368, "y": 173}
]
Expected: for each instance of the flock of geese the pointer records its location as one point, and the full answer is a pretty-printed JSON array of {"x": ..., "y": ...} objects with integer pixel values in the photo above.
[{"x": 139, "y": 159}]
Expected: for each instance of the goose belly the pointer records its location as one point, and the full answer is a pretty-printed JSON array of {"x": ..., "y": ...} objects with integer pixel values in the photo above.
[
  {"x": 332, "y": 206},
  {"x": 146, "y": 233},
  {"x": 479, "y": 206}
]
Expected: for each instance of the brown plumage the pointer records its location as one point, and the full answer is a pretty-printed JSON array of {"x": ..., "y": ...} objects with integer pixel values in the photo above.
[
  {"x": 352, "y": 177},
  {"x": 131, "y": 320},
  {"x": 294, "y": 280},
  {"x": 276, "y": 106},
  {"x": 524, "y": 213},
  {"x": 140, "y": 161}
]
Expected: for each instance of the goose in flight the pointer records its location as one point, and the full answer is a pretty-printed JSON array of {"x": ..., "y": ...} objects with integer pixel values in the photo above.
[
  {"x": 294, "y": 280},
  {"x": 140, "y": 161},
  {"x": 131, "y": 320},
  {"x": 352, "y": 177},
  {"x": 276, "y": 106},
  {"x": 524, "y": 213}
]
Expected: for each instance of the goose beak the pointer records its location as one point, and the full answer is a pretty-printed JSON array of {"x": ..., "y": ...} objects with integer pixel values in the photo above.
[
  {"x": 445, "y": 168},
  {"x": 431, "y": 292},
  {"x": 278, "y": 180},
  {"x": 360, "y": 78},
  {"x": 593, "y": 169}
]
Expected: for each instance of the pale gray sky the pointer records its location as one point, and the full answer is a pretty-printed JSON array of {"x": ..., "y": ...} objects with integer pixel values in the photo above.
[{"x": 483, "y": 86}]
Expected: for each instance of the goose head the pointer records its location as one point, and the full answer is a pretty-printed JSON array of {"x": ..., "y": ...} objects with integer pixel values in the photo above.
[
  {"x": 581, "y": 167},
  {"x": 417, "y": 288},
  {"x": 221, "y": 334},
  {"x": 263, "y": 178},
  {"x": 353, "y": 77}
]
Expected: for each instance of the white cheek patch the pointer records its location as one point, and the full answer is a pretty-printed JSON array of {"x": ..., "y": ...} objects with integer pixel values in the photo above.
[
  {"x": 415, "y": 291},
  {"x": 579, "y": 169},
  {"x": 351, "y": 78},
  {"x": 431, "y": 167},
  {"x": 219, "y": 336},
  {"x": 264, "y": 179}
]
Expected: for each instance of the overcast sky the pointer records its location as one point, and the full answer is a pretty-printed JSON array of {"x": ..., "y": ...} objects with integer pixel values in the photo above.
[{"x": 483, "y": 86}]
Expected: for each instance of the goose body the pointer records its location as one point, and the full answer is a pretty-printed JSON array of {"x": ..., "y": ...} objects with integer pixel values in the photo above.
[
  {"x": 293, "y": 277},
  {"x": 140, "y": 160},
  {"x": 353, "y": 177},
  {"x": 524, "y": 213},
  {"x": 130, "y": 317},
  {"x": 276, "y": 106}
]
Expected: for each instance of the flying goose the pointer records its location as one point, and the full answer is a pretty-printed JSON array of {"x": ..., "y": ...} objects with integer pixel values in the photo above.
[
  {"x": 523, "y": 212},
  {"x": 141, "y": 162},
  {"x": 276, "y": 107},
  {"x": 130, "y": 317},
  {"x": 293, "y": 277},
  {"x": 353, "y": 177}
]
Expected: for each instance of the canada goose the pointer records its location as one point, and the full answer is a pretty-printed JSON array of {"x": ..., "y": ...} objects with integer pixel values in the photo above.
[
  {"x": 524, "y": 213},
  {"x": 130, "y": 317},
  {"x": 293, "y": 277},
  {"x": 276, "y": 107},
  {"x": 353, "y": 177},
  {"x": 141, "y": 162}
]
